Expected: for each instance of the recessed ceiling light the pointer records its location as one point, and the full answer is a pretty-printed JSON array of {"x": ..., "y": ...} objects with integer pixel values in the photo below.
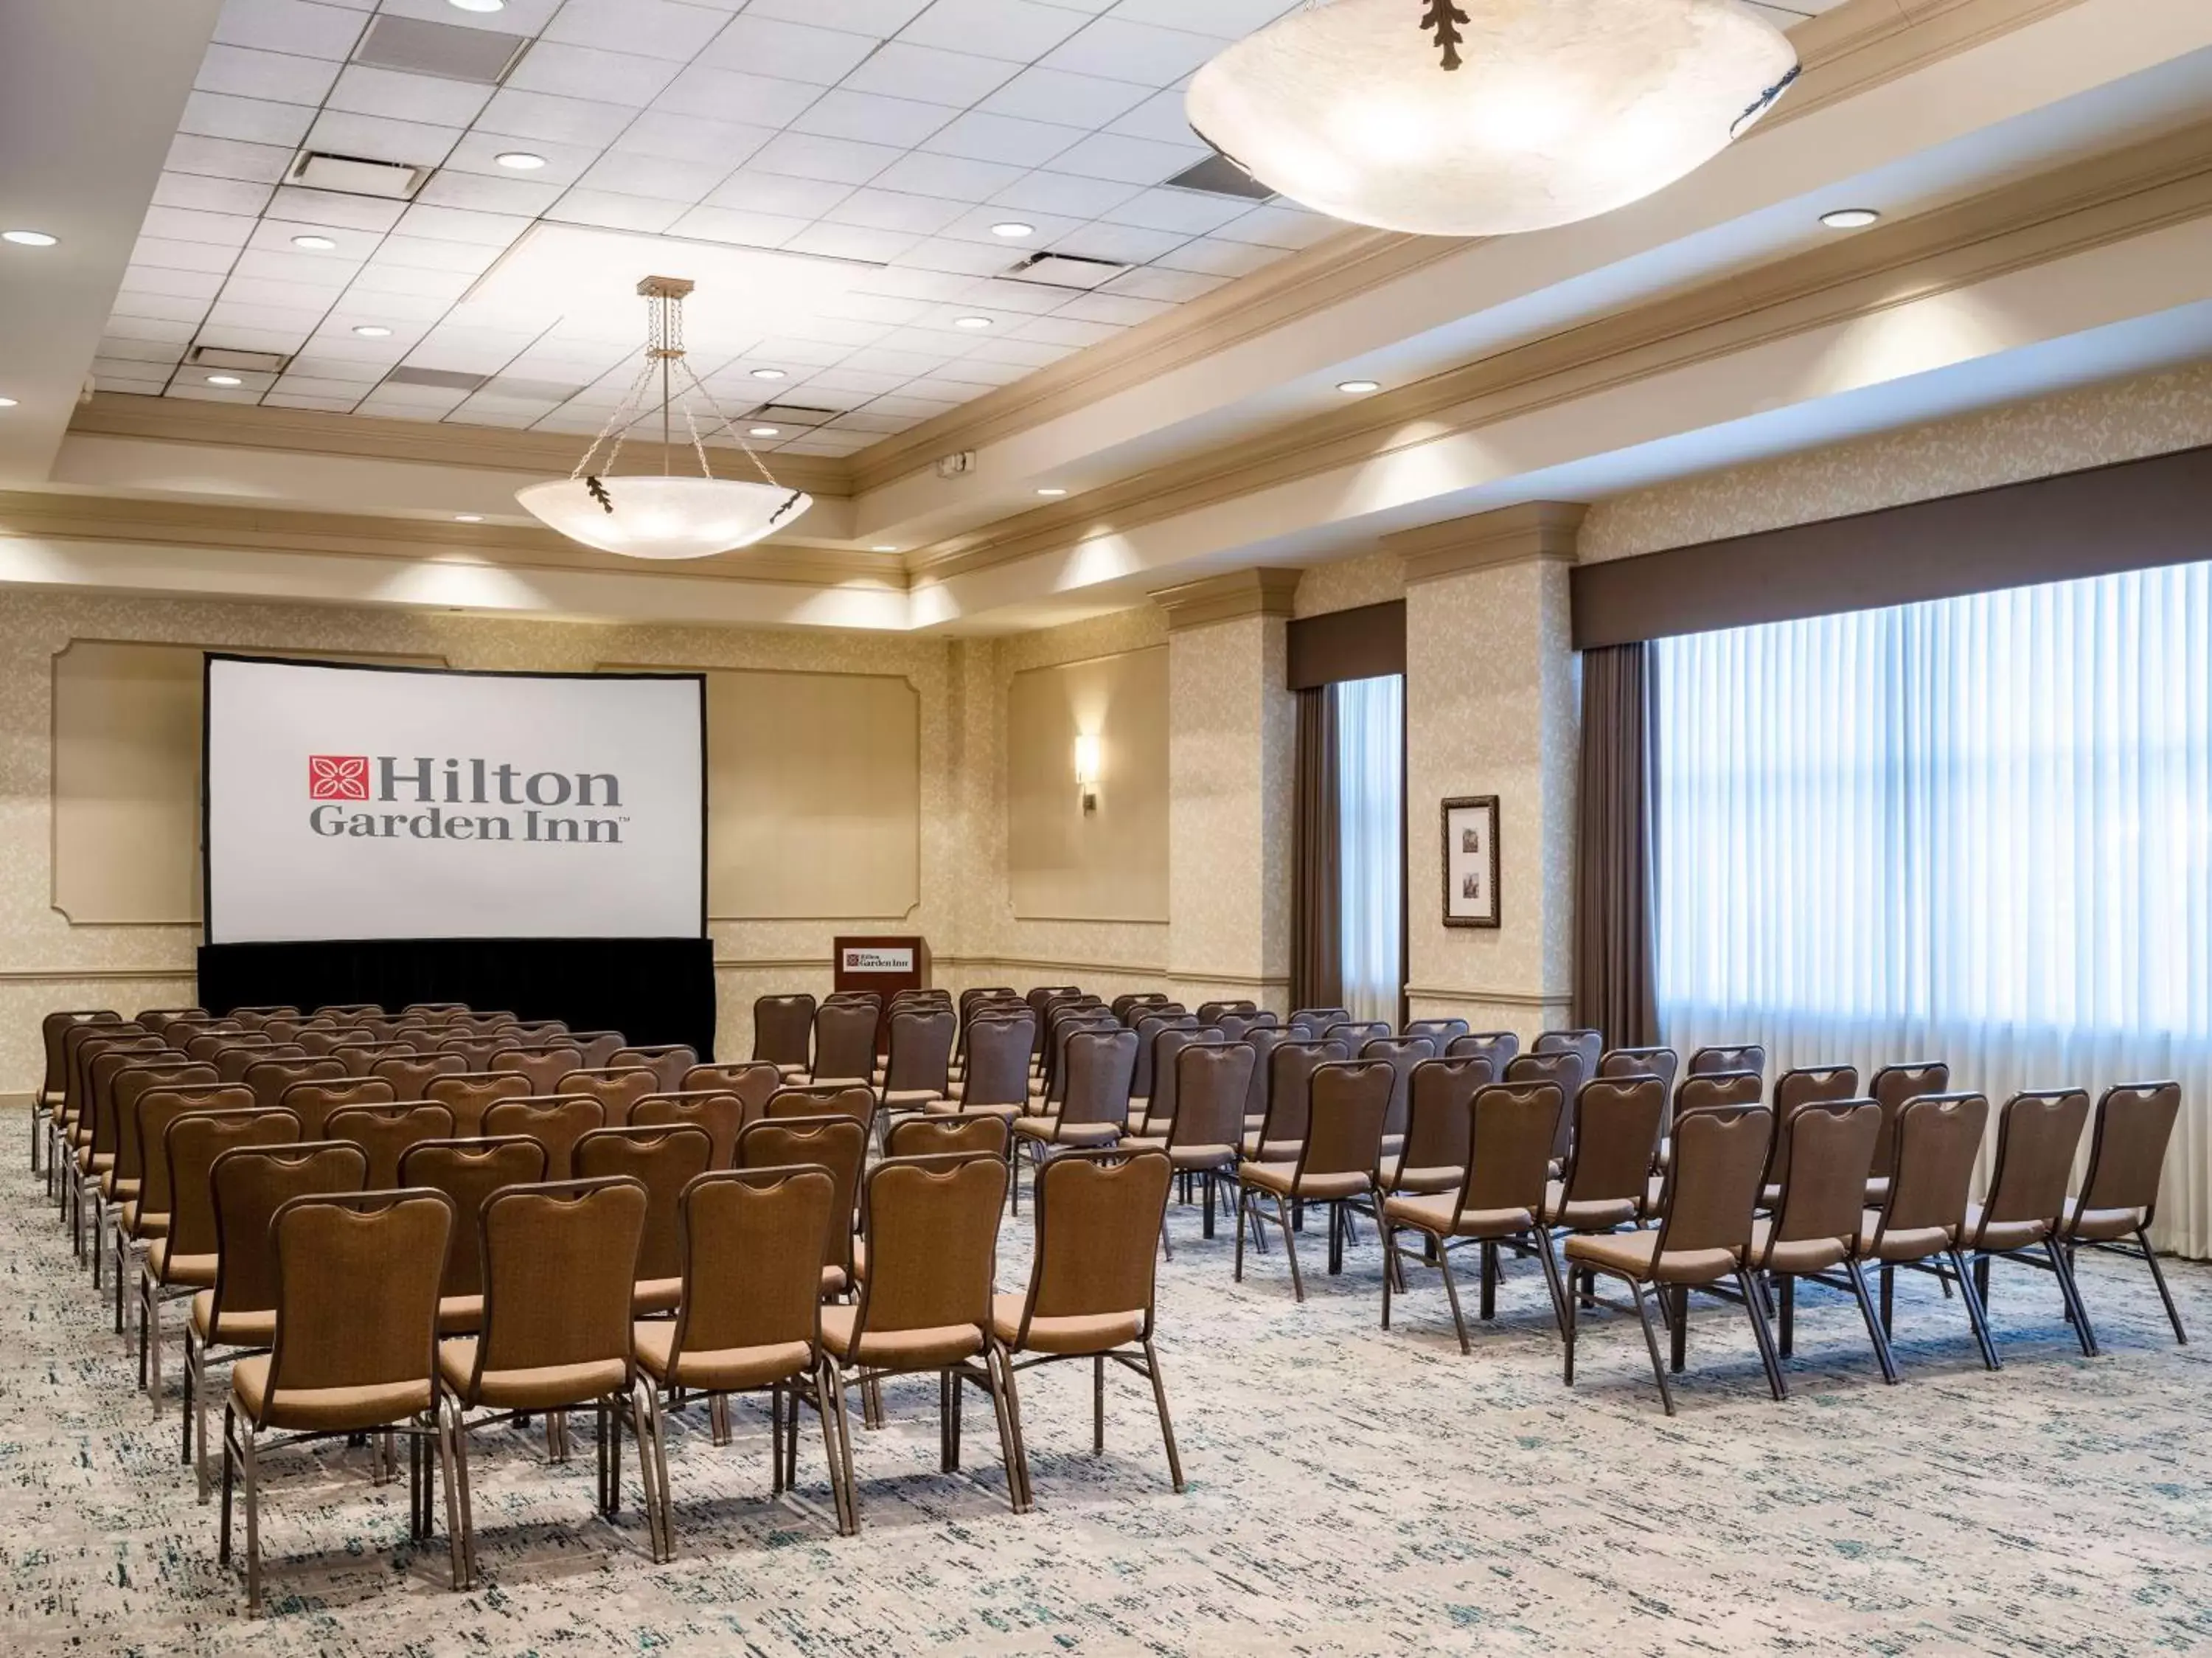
[
  {"x": 765, "y": 431},
  {"x": 1355, "y": 387},
  {"x": 769, "y": 374},
  {"x": 224, "y": 380},
  {"x": 7, "y": 402},
  {"x": 477, "y": 5},
  {"x": 1013, "y": 230},
  {"x": 971, "y": 322},
  {"x": 1051, "y": 492},
  {"x": 1850, "y": 219},
  {"x": 28, "y": 238},
  {"x": 882, "y": 549},
  {"x": 314, "y": 244},
  {"x": 468, "y": 518},
  {"x": 373, "y": 330},
  {"x": 520, "y": 160}
]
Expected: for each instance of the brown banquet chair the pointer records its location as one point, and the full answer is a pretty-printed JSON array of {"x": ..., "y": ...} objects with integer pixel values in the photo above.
[{"x": 556, "y": 1122}]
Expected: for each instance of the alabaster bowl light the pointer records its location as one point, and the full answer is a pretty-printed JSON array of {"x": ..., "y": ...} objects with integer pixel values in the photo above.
[
  {"x": 1528, "y": 114},
  {"x": 656, "y": 517}
]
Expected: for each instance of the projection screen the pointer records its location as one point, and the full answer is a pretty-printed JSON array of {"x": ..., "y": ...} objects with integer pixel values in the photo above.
[{"x": 345, "y": 802}]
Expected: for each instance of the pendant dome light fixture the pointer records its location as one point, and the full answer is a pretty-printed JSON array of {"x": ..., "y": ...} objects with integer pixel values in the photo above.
[
  {"x": 645, "y": 515},
  {"x": 1485, "y": 118}
]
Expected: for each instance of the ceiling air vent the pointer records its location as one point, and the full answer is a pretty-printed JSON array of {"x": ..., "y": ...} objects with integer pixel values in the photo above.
[
  {"x": 532, "y": 391},
  {"x": 1216, "y": 175},
  {"x": 354, "y": 175},
  {"x": 448, "y": 51},
  {"x": 445, "y": 380},
  {"x": 251, "y": 363},
  {"x": 1065, "y": 270},
  {"x": 789, "y": 414}
]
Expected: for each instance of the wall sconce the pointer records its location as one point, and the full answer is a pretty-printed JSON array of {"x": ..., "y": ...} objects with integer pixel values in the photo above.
[{"x": 1087, "y": 770}]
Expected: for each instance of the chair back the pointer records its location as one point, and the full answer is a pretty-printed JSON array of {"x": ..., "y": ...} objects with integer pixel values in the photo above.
[
  {"x": 1101, "y": 1064},
  {"x": 1311, "y": 1024},
  {"x": 149, "y": 1123},
  {"x": 2038, "y": 1133},
  {"x": 1169, "y": 1044},
  {"x": 718, "y": 1115},
  {"x": 1615, "y": 1140},
  {"x": 410, "y": 1074},
  {"x": 933, "y": 1243},
  {"x": 1099, "y": 1217},
  {"x": 270, "y": 1079},
  {"x": 469, "y": 1094},
  {"x": 50, "y": 1030},
  {"x": 1588, "y": 1043},
  {"x": 1712, "y": 1184},
  {"x": 313, "y": 1102},
  {"x": 249, "y": 1184},
  {"x": 1290, "y": 1070},
  {"x": 1794, "y": 1090},
  {"x": 1212, "y": 1082},
  {"x": 1713, "y": 1061},
  {"x": 845, "y": 1042},
  {"x": 1824, "y": 1174},
  {"x": 783, "y": 1029},
  {"x": 232, "y": 1054},
  {"x": 1350, "y": 1100},
  {"x": 854, "y": 1099},
  {"x": 385, "y": 1132},
  {"x": 1938, "y": 1140},
  {"x": 542, "y": 1067},
  {"x": 920, "y": 1056},
  {"x": 469, "y": 1172},
  {"x": 750, "y": 1080},
  {"x": 999, "y": 1049},
  {"x": 1892, "y": 1087},
  {"x": 666, "y": 1061},
  {"x": 663, "y": 1159},
  {"x": 1263, "y": 1040},
  {"x": 560, "y": 1265},
  {"x": 1563, "y": 1066},
  {"x": 555, "y": 1121},
  {"x": 753, "y": 1243},
  {"x": 1212, "y": 1013},
  {"x": 1500, "y": 1047},
  {"x": 1662, "y": 1062},
  {"x": 1235, "y": 1027},
  {"x": 617, "y": 1091},
  {"x": 125, "y": 1094},
  {"x": 356, "y": 1303},
  {"x": 1148, "y": 1021},
  {"x": 1717, "y": 1091},
  {"x": 1439, "y": 1104},
  {"x": 360, "y": 1059},
  {"x": 940, "y": 1137},
  {"x": 2135, "y": 1124},
  {"x": 189, "y": 1145},
  {"x": 1442, "y": 1031},
  {"x": 1402, "y": 1054},
  {"x": 1511, "y": 1130},
  {"x": 837, "y": 1143}
]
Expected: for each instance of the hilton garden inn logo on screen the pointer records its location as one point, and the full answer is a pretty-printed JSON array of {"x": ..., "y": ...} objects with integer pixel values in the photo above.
[{"x": 584, "y": 806}]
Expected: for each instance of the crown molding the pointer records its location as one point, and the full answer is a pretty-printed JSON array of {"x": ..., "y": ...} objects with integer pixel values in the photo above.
[
  {"x": 369, "y": 437},
  {"x": 1534, "y": 530},
  {"x": 2070, "y": 210},
  {"x": 111, "y": 518},
  {"x": 1261, "y": 591}
]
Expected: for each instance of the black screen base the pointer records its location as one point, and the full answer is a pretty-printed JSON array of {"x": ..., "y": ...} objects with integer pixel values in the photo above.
[{"x": 654, "y": 990}]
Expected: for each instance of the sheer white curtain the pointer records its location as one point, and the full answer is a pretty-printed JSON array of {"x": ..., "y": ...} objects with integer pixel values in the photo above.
[
  {"x": 1978, "y": 830},
  {"x": 1371, "y": 725}
]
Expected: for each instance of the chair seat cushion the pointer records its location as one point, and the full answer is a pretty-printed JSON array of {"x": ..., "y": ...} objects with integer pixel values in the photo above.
[
  {"x": 1877, "y": 1191},
  {"x": 1433, "y": 1213},
  {"x": 1585, "y": 1213},
  {"x": 1284, "y": 1178},
  {"x": 911, "y": 1098},
  {"x": 723, "y": 1370},
  {"x": 2003, "y": 1235},
  {"x": 1900, "y": 1244},
  {"x": 1067, "y": 1134},
  {"x": 198, "y": 1270},
  {"x": 323, "y": 1410},
  {"x": 540, "y": 1388},
  {"x": 656, "y": 1295},
  {"x": 136, "y": 1225},
  {"x": 460, "y": 1315},
  {"x": 1636, "y": 1255},
  {"x": 1798, "y": 1255},
  {"x": 948, "y": 1108},
  {"x": 898, "y": 1350},
  {"x": 1440, "y": 1178},
  {"x": 239, "y": 1329},
  {"x": 835, "y": 1281},
  {"x": 1095, "y": 1332},
  {"x": 2100, "y": 1225},
  {"x": 859, "y": 1259},
  {"x": 1181, "y": 1157},
  {"x": 1272, "y": 1151}
]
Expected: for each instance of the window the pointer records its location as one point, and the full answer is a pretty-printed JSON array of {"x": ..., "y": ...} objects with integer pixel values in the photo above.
[
  {"x": 1979, "y": 830},
  {"x": 1370, "y": 726}
]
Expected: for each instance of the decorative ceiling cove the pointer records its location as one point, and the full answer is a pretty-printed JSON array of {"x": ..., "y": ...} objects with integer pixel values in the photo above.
[{"x": 884, "y": 138}]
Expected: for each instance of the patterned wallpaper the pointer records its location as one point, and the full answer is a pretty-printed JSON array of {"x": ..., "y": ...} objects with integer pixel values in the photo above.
[
  {"x": 1373, "y": 578},
  {"x": 2090, "y": 426}
]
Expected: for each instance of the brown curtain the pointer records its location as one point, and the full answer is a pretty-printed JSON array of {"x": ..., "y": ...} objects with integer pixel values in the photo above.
[
  {"x": 1316, "y": 854},
  {"x": 1615, "y": 946}
]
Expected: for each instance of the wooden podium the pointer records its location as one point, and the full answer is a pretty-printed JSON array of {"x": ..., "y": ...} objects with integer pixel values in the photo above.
[{"x": 886, "y": 964}]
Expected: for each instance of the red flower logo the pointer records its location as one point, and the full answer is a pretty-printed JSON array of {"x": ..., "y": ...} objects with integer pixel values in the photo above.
[{"x": 338, "y": 776}]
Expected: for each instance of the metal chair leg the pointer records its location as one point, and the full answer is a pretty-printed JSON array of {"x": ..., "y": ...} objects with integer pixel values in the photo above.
[
  {"x": 2062, "y": 1269},
  {"x": 2158, "y": 1277},
  {"x": 1875, "y": 1333},
  {"x": 1651, "y": 1342},
  {"x": 1451, "y": 1292},
  {"x": 1009, "y": 1446},
  {"x": 1167, "y": 1426},
  {"x": 1765, "y": 1337},
  {"x": 1974, "y": 1313}
]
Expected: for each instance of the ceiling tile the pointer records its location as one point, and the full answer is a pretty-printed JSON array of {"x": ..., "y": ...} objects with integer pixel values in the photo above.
[
  {"x": 579, "y": 121},
  {"x": 294, "y": 26},
  {"x": 876, "y": 18},
  {"x": 280, "y": 75},
  {"x": 1150, "y": 282},
  {"x": 1015, "y": 354},
  {"x": 200, "y": 391},
  {"x": 229, "y": 314},
  {"x": 1019, "y": 30},
  {"x": 350, "y": 390},
  {"x": 853, "y": 382},
  {"x": 768, "y": 46},
  {"x": 525, "y": 18},
  {"x": 1142, "y": 52},
  {"x": 457, "y": 224},
  {"x": 940, "y": 344},
  {"x": 411, "y": 402},
  {"x": 329, "y": 207},
  {"x": 593, "y": 72},
  {"x": 1125, "y": 243},
  {"x": 315, "y": 297},
  {"x": 1002, "y": 138},
  {"x": 902, "y": 282},
  {"x": 170, "y": 330},
  {"x": 1123, "y": 310},
  {"x": 211, "y": 195},
  {"x": 880, "y": 361},
  {"x": 940, "y": 388},
  {"x": 158, "y": 279},
  {"x": 486, "y": 194},
  {"x": 318, "y": 270},
  {"x": 901, "y": 70},
  {"x": 317, "y": 362},
  {"x": 430, "y": 254},
  {"x": 908, "y": 408},
  {"x": 375, "y": 278},
  {"x": 807, "y": 156},
  {"x": 779, "y": 193},
  {"x": 1228, "y": 20},
  {"x": 1128, "y": 161},
  {"x": 1161, "y": 118},
  {"x": 1190, "y": 212},
  {"x": 1064, "y": 331},
  {"x": 945, "y": 255},
  {"x": 732, "y": 224},
  {"x": 864, "y": 421},
  {"x": 1281, "y": 227},
  {"x": 281, "y": 398},
  {"x": 1016, "y": 298},
  {"x": 273, "y": 235},
  {"x": 719, "y": 94},
  {"x": 952, "y": 177},
  {"x": 1061, "y": 195},
  {"x": 652, "y": 176},
  {"x": 281, "y": 341},
  {"x": 1214, "y": 257},
  {"x": 818, "y": 332},
  {"x": 373, "y": 137},
  {"x": 257, "y": 120},
  {"x": 404, "y": 314},
  {"x": 431, "y": 98},
  {"x": 1053, "y": 94},
  {"x": 873, "y": 119},
  {"x": 889, "y": 210},
  {"x": 851, "y": 241},
  {"x": 184, "y": 224},
  {"x": 656, "y": 28},
  {"x": 680, "y": 137},
  {"x": 135, "y": 303},
  {"x": 612, "y": 212},
  {"x": 122, "y": 348},
  {"x": 182, "y": 255},
  {"x": 227, "y": 158}
]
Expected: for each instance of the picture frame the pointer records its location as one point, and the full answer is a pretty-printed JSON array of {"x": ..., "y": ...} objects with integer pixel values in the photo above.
[{"x": 1471, "y": 863}]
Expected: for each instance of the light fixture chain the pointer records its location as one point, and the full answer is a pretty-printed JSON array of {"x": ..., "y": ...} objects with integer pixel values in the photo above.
[
  {"x": 723, "y": 421},
  {"x": 626, "y": 412}
]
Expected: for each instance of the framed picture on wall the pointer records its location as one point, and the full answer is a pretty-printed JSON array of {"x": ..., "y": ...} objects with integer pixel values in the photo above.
[{"x": 1471, "y": 861}]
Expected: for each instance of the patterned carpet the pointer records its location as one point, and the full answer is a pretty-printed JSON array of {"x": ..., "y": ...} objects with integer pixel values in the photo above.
[{"x": 1351, "y": 1491}]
